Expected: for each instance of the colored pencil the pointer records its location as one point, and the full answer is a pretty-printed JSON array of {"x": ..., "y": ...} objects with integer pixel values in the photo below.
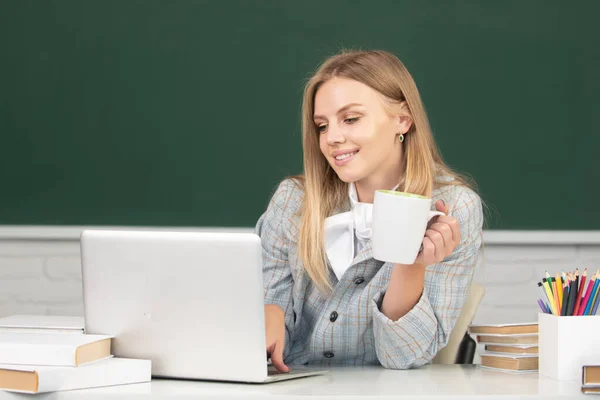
[
  {"x": 547, "y": 277},
  {"x": 542, "y": 306},
  {"x": 572, "y": 294},
  {"x": 559, "y": 287},
  {"x": 544, "y": 296},
  {"x": 580, "y": 291},
  {"x": 550, "y": 297},
  {"x": 595, "y": 310},
  {"x": 590, "y": 300},
  {"x": 587, "y": 293},
  {"x": 595, "y": 293},
  {"x": 555, "y": 292},
  {"x": 565, "y": 298}
]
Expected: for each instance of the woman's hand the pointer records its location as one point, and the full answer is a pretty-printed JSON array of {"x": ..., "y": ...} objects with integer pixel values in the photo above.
[
  {"x": 275, "y": 330},
  {"x": 441, "y": 238}
]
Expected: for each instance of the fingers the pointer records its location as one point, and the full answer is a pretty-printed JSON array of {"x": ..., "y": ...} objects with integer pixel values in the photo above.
[
  {"x": 275, "y": 336},
  {"x": 451, "y": 223},
  {"x": 447, "y": 234},
  {"x": 441, "y": 206},
  {"x": 454, "y": 225},
  {"x": 277, "y": 357},
  {"x": 439, "y": 248},
  {"x": 441, "y": 237},
  {"x": 428, "y": 252}
]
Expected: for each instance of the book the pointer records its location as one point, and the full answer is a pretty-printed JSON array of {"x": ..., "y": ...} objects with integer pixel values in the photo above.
[
  {"x": 508, "y": 329},
  {"x": 41, "y": 379},
  {"x": 590, "y": 376},
  {"x": 53, "y": 349},
  {"x": 506, "y": 339},
  {"x": 42, "y": 324},
  {"x": 590, "y": 390},
  {"x": 513, "y": 349},
  {"x": 512, "y": 371},
  {"x": 512, "y": 362}
]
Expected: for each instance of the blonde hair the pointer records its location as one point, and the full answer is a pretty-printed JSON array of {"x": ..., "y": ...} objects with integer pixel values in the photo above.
[{"x": 324, "y": 192}]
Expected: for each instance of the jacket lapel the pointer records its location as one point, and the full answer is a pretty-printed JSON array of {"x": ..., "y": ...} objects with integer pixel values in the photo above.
[{"x": 365, "y": 254}]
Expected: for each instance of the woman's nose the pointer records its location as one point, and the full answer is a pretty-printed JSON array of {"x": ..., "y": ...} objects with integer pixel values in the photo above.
[{"x": 334, "y": 135}]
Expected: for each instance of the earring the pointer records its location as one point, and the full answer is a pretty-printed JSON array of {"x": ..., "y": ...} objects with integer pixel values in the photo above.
[{"x": 401, "y": 138}]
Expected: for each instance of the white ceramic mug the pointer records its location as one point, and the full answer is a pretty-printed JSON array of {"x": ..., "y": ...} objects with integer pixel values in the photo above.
[{"x": 399, "y": 223}]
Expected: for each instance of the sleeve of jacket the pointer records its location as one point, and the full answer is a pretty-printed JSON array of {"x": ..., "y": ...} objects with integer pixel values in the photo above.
[
  {"x": 415, "y": 338},
  {"x": 272, "y": 228}
]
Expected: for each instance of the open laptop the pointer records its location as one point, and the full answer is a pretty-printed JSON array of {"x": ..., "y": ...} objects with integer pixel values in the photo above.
[{"x": 192, "y": 302}]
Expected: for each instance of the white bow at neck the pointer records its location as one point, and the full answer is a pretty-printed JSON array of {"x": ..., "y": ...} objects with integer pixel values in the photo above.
[{"x": 341, "y": 229}]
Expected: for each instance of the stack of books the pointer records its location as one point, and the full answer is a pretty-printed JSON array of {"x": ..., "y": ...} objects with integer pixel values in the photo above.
[
  {"x": 47, "y": 358},
  {"x": 590, "y": 379},
  {"x": 508, "y": 347}
]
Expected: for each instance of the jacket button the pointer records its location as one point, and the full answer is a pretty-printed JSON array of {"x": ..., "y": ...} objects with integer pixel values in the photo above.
[
  {"x": 359, "y": 280},
  {"x": 328, "y": 354},
  {"x": 333, "y": 316}
]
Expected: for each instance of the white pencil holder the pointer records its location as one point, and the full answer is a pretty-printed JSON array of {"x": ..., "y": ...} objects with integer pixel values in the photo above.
[{"x": 565, "y": 343}]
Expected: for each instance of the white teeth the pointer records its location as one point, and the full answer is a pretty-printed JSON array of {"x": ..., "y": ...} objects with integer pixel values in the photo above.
[{"x": 343, "y": 156}]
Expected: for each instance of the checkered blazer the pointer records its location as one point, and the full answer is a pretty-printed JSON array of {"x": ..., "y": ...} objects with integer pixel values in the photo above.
[{"x": 347, "y": 326}]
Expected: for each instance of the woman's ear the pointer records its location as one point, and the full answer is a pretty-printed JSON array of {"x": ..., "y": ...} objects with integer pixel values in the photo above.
[{"x": 403, "y": 118}]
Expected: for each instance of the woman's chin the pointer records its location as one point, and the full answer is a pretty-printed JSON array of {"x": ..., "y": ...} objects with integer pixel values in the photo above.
[{"x": 347, "y": 177}]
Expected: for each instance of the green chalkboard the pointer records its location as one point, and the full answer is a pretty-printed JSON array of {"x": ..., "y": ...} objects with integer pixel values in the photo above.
[{"x": 186, "y": 113}]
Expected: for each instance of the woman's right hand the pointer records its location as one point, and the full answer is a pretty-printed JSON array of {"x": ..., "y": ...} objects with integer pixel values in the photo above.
[{"x": 275, "y": 330}]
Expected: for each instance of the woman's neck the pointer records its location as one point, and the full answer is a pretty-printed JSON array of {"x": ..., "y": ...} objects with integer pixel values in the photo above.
[{"x": 365, "y": 189}]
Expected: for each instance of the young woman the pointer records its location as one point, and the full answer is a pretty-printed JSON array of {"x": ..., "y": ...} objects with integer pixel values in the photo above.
[{"x": 364, "y": 129}]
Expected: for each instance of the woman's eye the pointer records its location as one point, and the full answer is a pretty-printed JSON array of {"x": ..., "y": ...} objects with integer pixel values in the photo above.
[
  {"x": 351, "y": 120},
  {"x": 322, "y": 128}
]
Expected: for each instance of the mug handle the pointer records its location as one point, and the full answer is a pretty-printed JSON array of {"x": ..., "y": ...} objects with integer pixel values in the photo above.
[
  {"x": 431, "y": 215},
  {"x": 434, "y": 214}
]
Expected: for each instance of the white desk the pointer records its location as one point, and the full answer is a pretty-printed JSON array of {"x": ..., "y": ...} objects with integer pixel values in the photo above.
[{"x": 430, "y": 382}]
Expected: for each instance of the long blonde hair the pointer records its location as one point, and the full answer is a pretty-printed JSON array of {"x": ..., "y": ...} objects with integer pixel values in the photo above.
[{"x": 324, "y": 192}]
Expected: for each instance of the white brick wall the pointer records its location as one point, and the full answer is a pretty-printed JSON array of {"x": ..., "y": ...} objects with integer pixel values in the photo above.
[
  {"x": 510, "y": 274},
  {"x": 41, "y": 275}
]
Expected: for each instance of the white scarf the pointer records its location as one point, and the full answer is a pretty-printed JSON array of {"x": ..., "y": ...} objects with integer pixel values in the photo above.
[{"x": 340, "y": 230}]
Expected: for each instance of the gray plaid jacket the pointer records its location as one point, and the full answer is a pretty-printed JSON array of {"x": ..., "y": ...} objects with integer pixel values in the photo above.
[{"x": 347, "y": 327}]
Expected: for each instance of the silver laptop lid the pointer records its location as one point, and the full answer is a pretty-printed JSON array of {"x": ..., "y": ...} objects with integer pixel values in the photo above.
[{"x": 192, "y": 302}]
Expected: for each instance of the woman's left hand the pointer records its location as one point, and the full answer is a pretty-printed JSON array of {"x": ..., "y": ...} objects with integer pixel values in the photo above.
[{"x": 441, "y": 238}]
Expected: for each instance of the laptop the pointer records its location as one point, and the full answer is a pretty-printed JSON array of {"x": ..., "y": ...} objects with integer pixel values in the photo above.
[{"x": 192, "y": 302}]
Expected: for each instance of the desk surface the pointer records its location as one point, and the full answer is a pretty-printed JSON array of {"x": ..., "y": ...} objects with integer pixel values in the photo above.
[{"x": 429, "y": 382}]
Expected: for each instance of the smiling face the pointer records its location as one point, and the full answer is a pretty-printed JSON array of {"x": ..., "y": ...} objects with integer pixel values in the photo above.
[{"x": 358, "y": 135}]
